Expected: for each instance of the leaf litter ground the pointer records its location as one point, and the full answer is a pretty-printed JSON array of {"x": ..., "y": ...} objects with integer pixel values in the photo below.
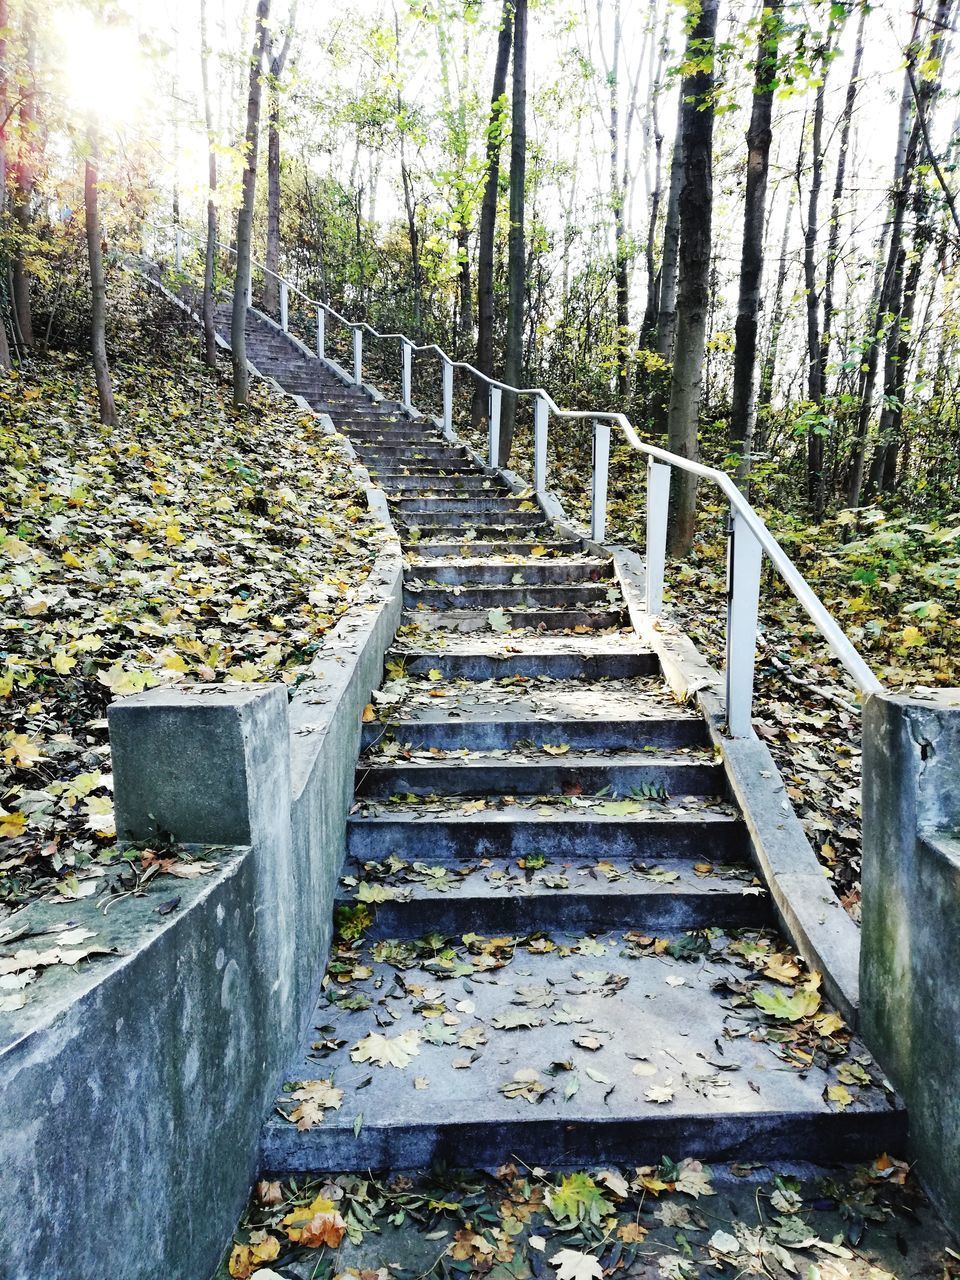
[{"x": 187, "y": 543}]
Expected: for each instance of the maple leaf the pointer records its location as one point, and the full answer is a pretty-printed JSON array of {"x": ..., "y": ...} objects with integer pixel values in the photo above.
[
  {"x": 787, "y": 1008},
  {"x": 245, "y": 1259},
  {"x": 385, "y": 1051},
  {"x": 578, "y": 1199},
  {"x": 573, "y": 1265},
  {"x": 660, "y": 1093},
  {"x": 314, "y": 1097},
  {"x": 525, "y": 1084},
  {"x": 693, "y": 1179},
  {"x": 515, "y": 1020}
]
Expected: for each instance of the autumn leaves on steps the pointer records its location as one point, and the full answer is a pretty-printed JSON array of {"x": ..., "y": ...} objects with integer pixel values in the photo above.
[{"x": 551, "y": 940}]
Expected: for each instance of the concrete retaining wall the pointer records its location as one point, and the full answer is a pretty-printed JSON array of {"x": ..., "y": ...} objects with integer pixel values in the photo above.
[
  {"x": 134, "y": 1085},
  {"x": 910, "y": 958}
]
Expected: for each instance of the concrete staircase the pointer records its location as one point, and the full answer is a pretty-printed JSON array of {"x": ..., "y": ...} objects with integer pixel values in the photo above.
[{"x": 549, "y": 909}]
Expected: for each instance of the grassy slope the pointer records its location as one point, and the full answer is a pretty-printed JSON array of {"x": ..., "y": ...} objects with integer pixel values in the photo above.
[{"x": 186, "y": 543}]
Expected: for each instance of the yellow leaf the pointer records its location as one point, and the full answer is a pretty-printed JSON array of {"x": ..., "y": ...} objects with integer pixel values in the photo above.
[
  {"x": 173, "y": 534},
  {"x": 538, "y": 551},
  {"x": 62, "y": 662},
  {"x": 434, "y": 674},
  {"x": 174, "y": 662},
  {"x": 828, "y": 1024},
  {"x": 246, "y": 1258},
  {"x": 12, "y": 824},
  {"x": 245, "y": 671},
  {"x": 369, "y": 714},
  {"x": 557, "y": 749},
  {"x": 22, "y": 751},
  {"x": 840, "y": 1094},
  {"x": 911, "y": 637}
]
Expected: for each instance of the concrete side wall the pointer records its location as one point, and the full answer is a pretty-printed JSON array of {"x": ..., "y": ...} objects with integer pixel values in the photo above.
[
  {"x": 134, "y": 1087},
  {"x": 910, "y": 955}
]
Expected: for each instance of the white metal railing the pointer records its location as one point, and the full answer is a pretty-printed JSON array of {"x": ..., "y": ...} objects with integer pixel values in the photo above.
[{"x": 749, "y": 537}]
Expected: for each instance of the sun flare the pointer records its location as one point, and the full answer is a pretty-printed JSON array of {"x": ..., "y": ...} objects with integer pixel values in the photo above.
[{"x": 103, "y": 69}]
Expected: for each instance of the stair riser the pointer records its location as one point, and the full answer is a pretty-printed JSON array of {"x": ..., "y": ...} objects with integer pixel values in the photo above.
[
  {"x": 469, "y": 550},
  {"x": 761, "y": 1137},
  {"x": 440, "y": 840},
  {"x": 559, "y": 666},
  {"x": 451, "y": 485},
  {"x": 548, "y": 620},
  {"x": 479, "y": 520},
  {"x": 537, "y": 779},
  {"x": 659, "y": 914},
  {"x": 494, "y": 597},
  {"x": 402, "y": 456},
  {"x": 456, "y": 504},
  {"x": 550, "y": 573},
  {"x": 486, "y": 735}
]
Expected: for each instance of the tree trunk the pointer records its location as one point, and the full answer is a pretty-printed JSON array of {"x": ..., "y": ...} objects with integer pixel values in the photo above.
[
  {"x": 238, "y": 341},
  {"x": 768, "y": 372},
  {"x": 900, "y": 298},
  {"x": 667, "y": 317},
  {"x": 488, "y": 215},
  {"x": 759, "y": 135},
  {"x": 814, "y": 370},
  {"x": 5, "y": 362},
  {"x": 516, "y": 243},
  {"x": 465, "y": 290},
  {"x": 98, "y": 288},
  {"x": 617, "y": 199},
  {"x": 649, "y": 324},
  {"x": 833, "y": 238},
  {"x": 696, "y": 219},
  {"x": 209, "y": 329},
  {"x": 22, "y": 194},
  {"x": 271, "y": 288}
]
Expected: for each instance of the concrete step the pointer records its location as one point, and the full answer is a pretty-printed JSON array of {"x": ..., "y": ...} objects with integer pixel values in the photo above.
[
  {"x": 449, "y": 455},
  {"x": 537, "y": 773},
  {"x": 434, "y": 549},
  {"x": 660, "y": 732},
  {"x": 613, "y": 663},
  {"x": 501, "y": 897},
  {"x": 549, "y": 595},
  {"x": 505, "y": 573},
  {"x": 465, "y": 620},
  {"x": 618, "y": 1031},
  {"x": 470, "y": 482},
  {"x": 428, "y": 834},
  {"x": 457, "y": 504},
  {"x": 479, "y": 521}
]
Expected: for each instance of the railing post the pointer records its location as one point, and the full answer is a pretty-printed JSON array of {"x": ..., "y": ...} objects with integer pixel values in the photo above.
[
  {"x": 601, "y": 467},
  {"x": 284, "y": 306},
  {"x": 493, "y": 426},
  {"x": 658, "y": 507},
  {"x": 357, "y": 355},
  {"x": 447, "y": 398},
  {"x": 406, "y": 374},
  {"x": 541, "y": 419},
  {"x": 321, "y": 332},
  {"x": 744, "y": 561}
]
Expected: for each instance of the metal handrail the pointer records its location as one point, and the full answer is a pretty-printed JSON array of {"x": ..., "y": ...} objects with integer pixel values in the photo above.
[{"x": 749, "y": 536}]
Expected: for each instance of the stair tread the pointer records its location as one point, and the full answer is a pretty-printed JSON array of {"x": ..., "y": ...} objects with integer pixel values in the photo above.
[
  {"x": 719, "y": 1090},
  {"x": 536, "y": 701},
  {"x": 495, "y": 878}
]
